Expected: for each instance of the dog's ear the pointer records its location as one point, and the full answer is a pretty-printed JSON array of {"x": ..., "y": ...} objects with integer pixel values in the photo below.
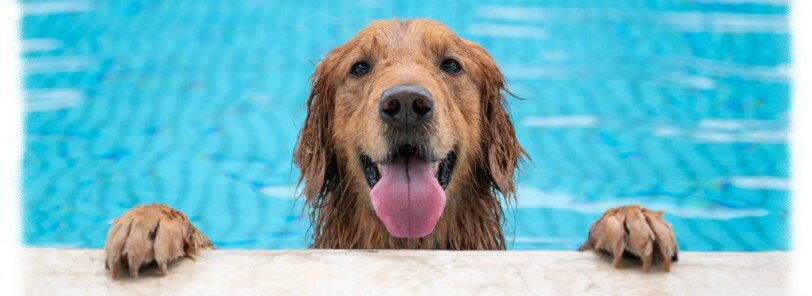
[
  {"x": 314, "y": 154},
  {"x": 502, "y": 149}
]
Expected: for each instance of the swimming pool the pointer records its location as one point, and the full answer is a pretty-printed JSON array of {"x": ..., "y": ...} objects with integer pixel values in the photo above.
[{"x": 676, "y": 105}]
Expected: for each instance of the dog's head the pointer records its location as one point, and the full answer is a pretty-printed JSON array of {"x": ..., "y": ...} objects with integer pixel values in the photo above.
[{"x": 407, "y": 115}]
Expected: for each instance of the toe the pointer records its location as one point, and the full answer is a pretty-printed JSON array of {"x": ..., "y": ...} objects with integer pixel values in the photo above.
[
  {"x": 608, "y": 234},
  {"x": 116, "y": 238},
  {"x": 139, "y": 245},
  {"x": 639, "y": 237},
  {"x": 169, "y": 243},
  {"x": 665, "y": 244}
]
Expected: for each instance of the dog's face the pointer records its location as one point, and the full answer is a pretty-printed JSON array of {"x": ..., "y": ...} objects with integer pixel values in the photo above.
[{"x": 407, "y": 115}]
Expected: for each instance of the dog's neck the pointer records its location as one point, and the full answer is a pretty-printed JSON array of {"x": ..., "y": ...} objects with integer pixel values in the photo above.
[{"x": 345, "y": 219}]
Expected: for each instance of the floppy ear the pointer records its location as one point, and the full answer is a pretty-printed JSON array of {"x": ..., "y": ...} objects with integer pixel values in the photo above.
[
  {"x": 502, "y": 149},
  {"x": 314, "y": 154}
]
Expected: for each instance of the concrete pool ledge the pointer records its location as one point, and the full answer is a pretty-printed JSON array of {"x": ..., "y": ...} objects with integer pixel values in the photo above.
[{"x": 340, "y": 272}]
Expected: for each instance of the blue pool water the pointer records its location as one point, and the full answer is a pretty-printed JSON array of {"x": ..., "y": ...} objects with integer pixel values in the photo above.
[{"x": 676, "y": 105}]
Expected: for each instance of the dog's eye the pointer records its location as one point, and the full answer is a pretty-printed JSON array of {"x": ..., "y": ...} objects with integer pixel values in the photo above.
[
  {"x": 360, "y": 69},
  {"x": 450, "y": 66}
]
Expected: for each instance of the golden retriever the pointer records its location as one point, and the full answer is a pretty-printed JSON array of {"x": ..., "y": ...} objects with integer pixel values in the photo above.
[
  {"x": 407, "y": 144},
  {"x": 406, "y": 122}
]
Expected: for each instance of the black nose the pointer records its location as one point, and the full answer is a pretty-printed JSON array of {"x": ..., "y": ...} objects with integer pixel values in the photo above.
[{"x": 406, "y": 106}]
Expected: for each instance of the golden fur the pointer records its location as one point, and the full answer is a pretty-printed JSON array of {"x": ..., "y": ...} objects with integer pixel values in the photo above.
[
  {"x": 634, "y": 230},
  {"x": 151, "y": 233},
  {"x": 471, "y": 117}
]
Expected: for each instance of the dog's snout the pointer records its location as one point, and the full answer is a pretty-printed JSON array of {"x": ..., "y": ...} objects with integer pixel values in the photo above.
[{"x": 406, "y": 106}]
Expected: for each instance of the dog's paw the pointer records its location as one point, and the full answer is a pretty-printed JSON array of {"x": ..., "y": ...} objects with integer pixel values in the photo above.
[
  {"x": 151, "y": 233},
  {"x": 634, "y": 230}
]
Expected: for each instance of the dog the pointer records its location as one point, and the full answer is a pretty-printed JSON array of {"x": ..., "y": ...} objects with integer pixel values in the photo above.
[{"x": 407, "y": 144}]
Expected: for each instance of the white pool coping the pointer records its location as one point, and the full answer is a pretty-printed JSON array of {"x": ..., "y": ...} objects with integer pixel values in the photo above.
[{"x": 339, "y": 272}]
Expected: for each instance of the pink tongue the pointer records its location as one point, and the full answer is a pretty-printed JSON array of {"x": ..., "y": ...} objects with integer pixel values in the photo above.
[{"x": 408, "y": 198}]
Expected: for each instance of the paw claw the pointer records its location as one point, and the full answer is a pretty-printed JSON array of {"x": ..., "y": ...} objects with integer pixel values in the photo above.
[
  {"x": 134, "y": 272},
  {"x": 162, "y": 268}
]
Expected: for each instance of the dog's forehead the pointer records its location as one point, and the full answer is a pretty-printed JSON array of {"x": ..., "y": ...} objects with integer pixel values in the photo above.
[{"x": 410, "y": 36}]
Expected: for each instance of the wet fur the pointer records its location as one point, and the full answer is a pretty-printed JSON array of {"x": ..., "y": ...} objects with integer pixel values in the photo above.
[
  {"x": 474, "y": 120},
  {"x": 151, "y": 233}
]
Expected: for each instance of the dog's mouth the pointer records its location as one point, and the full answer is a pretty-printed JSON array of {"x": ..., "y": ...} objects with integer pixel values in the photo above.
[
  {"x": 408, "y": 190},
  {"x": 442, "y": 168}
]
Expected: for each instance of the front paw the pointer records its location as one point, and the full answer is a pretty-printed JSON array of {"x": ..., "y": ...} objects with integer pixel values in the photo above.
[
  {"x": 635, "y": 230},
  {"x": 151, "y": 232}
]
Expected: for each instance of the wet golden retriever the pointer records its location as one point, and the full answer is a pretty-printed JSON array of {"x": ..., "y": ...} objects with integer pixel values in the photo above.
[{"x": 407, "y": 144}]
